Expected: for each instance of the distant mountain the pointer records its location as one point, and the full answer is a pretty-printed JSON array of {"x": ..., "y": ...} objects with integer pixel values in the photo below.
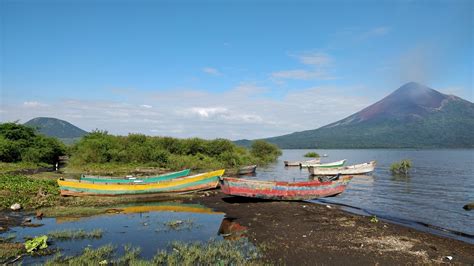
[
  {"x": 58, "y": 128},
  {"x": 413, "y": 116}
]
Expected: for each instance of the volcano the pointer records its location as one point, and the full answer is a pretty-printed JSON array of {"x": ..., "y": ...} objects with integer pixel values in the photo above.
[{"x": 413, "y": 116}]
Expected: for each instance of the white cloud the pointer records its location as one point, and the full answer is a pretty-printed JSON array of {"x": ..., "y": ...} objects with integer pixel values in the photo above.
[
  {"x": 316, "y": 59},
  {"x": 146, "y": 106},
  {"x": 241, "y": 112},
  {"x": 211, "y": 71},
  {"x": 33, "y": 104},
  {"x": 302, "y": 74}
]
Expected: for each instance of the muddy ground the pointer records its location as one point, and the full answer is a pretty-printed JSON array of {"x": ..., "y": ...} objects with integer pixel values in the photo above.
[{"x": 300, "y": 233}]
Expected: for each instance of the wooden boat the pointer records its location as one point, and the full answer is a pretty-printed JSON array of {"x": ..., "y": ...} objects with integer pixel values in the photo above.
[
  {"x": 247, "y": 169},
  {"x": 324, "y": 165},
  {"x": 128, "y": 179},
  {"x": 73, "y": 187},
  {"x": 297, "y": 163},
  {"x": 283, "y": 190},
  {"x": 357, "y": 169}
]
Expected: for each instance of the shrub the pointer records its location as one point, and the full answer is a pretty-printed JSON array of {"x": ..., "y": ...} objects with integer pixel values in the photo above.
[
  {"x": 265, "y": 151},
  {"x": 401, "y": 167},
  {"x": 312, "y": 155},
  {"x": 23, "y": 143}
]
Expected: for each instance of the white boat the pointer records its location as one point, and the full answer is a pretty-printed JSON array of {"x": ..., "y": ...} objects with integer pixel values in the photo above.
[
  {"x": 357, "y": 169},
  {"x": 298, "y": 163},
  {"x": 324, "y": 165}
]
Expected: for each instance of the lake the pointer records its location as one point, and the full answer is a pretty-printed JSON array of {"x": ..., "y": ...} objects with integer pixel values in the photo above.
[{"x": 440, "y": 183}]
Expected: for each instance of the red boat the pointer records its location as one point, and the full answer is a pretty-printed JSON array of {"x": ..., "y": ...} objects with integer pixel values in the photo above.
[{"x": 284, "y": 190}]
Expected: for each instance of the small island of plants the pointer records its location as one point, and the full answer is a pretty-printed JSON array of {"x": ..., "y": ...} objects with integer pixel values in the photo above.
[{"x": 312, "y": 154}]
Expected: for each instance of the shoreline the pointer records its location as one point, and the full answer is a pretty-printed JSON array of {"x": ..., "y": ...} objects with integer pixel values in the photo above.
[{"x": 305, "y": 233}]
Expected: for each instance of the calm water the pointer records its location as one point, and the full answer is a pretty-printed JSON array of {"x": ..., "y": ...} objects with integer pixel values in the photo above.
[
  {"x": 440, "y": 184},
  {"x": 141, "y": 226}
]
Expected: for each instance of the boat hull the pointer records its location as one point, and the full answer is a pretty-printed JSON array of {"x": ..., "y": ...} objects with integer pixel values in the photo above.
[
  {"x": 187, "y": 184},
  {"x": 151, "y": 179},
  {"x": 283, "y": 190},
  {"x": 358, "y": 169},
  {"x": 324, "y": 165},
  {"x": 247, "y": 170},
  {"x": 298, "y": 163}
]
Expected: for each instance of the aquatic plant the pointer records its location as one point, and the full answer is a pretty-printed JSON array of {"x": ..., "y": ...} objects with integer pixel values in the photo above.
[
  {"x": 312, "y": 154},
  {"x": 178, "y": 225},
  {"x": 36, "y": 243},
  {"x": 28, "y": 191},
  {"x": 239, "y": 252},
  {"x": 75, "y": 234},
  {"x": 401, "y": 168}
]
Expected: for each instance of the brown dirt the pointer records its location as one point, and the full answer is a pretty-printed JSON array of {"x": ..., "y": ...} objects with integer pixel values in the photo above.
[{"x": 300, "y": 233}]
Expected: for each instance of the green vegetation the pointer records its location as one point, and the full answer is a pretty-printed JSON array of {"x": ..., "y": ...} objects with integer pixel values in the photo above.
[
  {"x": 212, "y": 253},
  {"x": 28, "y": 191},
  {"x": 178, "y": 225},
  {"x": 19, "y": 143},
  {"x": 75, "y": 234},
  {"x": 99, "y": 147},
  {"x": 374, "y": 219},
  {"x": 36, "y": 243},
  {"x": 267, "y": 152},
  {"x": 312, "y": 154},
  {"x": 9, "y": 251},
  {"x": 401, "y": 168}
]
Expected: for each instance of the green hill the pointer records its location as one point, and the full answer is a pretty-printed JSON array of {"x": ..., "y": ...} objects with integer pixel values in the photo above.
[
  {"x": 413, "y": 116},
  {"x": 58, "y": 128}
]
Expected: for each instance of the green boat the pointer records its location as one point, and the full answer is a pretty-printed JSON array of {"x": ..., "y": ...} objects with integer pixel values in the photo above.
[{"x": 130, "y": 179}]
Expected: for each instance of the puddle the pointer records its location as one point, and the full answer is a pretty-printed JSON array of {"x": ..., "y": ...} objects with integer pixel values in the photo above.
[{"x": 148, "y": 226}]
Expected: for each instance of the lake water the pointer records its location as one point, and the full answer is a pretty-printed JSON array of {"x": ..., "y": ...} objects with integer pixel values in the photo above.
[
  {"x": 145, "y": 226},
  {"x": 440, "y": 183}
]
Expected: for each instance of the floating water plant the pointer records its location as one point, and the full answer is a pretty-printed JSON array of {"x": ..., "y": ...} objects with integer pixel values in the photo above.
[
  {"x": 36, "y": 243},
  {"x": 401, "y": 168}
]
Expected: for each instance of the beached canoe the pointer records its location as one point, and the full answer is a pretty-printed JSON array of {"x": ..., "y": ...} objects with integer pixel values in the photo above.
[
  {"x": 73, "y": 187},
  {"x": 357, "y": 169},
  {"x": 298, "y": 163},
  {"x": 247, "y": 170},
  {"x": 128, "y": 179},
  {"x": 324, "y": 165},
  {"x": 283, "y": 190}
]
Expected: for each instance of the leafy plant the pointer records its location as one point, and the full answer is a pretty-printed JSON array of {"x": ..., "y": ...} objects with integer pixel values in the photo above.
[
  {"x": 374, "y": 219},
  {"x": 36, "y": 243},
  {"x": 312, "y": 155},
  {"x": 401, "y": 168}
]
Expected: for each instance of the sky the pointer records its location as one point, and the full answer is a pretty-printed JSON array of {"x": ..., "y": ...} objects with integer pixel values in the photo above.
[{"x": 224, "y": 69}]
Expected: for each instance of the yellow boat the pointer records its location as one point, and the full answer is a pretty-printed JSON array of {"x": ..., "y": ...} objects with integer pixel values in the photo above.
[{"x": 73, "y": 187}]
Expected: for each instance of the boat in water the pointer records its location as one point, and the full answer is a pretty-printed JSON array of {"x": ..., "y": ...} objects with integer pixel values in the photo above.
[
  {"x": 357, "y": 169},
  {"x": 276, "y": 190},
  {"x": 204, "y": 181},
  {"x": 247, "y": 170},
  {"x": 324, "y": 165},
  {"x": 129, "y": 179},
  {"x": 298, "y": 163}
]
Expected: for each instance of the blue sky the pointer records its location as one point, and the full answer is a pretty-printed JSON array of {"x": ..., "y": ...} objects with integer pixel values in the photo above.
[{"x": 235, "y": 69}]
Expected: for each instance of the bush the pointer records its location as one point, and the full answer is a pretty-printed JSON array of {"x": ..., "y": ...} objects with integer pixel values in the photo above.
[
  {"x": 401, "y": 167},
  {"x": 99, "y": 147},
  {"x": 312, "y": 155},
  {"x": 265, "y": 151},
  {"x": 23, "y": 143}
]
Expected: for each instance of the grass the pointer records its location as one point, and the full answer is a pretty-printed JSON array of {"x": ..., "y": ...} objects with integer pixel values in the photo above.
[
  {"x": 9, "y": 251},
  {"x": 11, "y": 167},
  {"x": 28, "y": 191},
  {"x": 312, "y": 155},
  {"x": 211, "y": 253},
  {"x": 75, "y": 234}
]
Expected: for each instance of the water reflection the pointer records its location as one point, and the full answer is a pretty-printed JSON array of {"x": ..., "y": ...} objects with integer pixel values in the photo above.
[
  {"x": 231, "y": 230},
  {"x": 144, "y": 226}
]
